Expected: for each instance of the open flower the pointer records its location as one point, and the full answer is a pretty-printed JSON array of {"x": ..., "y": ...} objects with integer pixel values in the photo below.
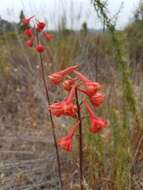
[
  {"x": 26, "y": 21},
  {"x": 69, "y": 109},
  {"x": 97, "y": 99},
  {"x": 48, "y": 36},
  {"x": 40, "y": 26},
  {"x": 57, "y": 77},
  {"x": 40, "y": 48},
  {"x": 57, "y": 108},
  {"x": 66, "y": 142},
  {"x": 96, "y": 123},
  {"x": 28, "y": 32},
  {"x": 90, "y": 87},
  {"x": 67, "y": 84},
  {"x": 65, "y": 107}
]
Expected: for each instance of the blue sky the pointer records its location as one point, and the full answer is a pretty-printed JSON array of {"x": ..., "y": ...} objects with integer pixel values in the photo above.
[{"x": 77, "y": 11}]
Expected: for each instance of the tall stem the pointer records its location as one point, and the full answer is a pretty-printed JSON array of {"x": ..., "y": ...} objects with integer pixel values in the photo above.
[
  {"x": 51, "y": 119},
  {"x": 80, "y": 141}
]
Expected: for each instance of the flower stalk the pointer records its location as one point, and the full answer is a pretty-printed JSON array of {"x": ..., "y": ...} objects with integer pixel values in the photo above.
[
  {"x": 51, "y": 118},
  {"x": 80, "y": 140}
]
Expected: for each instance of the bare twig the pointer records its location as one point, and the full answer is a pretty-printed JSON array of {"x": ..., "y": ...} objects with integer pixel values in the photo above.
[{"x": 137, "y": 151}]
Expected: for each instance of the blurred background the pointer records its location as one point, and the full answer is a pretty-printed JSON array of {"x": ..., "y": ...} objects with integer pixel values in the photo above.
[{"x": 106, "y": 39}]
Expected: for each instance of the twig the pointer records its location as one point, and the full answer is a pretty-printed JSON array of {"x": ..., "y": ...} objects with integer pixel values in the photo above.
[{"x": 137, "y": 151}]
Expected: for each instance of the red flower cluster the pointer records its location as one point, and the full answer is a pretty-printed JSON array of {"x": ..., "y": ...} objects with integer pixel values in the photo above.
[
  {"x": 68, "y": 108},
  {"x": 31, "y": 34}
]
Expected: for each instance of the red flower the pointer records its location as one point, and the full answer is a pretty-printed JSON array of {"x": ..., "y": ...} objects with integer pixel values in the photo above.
[
  {"x": 97, "y": 99},
  {"x": 90, "y": 87},
  {"x": 65, "y": 107},
  {"x": 40, "y": 26},
  {"x": 48, "y": 36},
  {"x": 29, "y": 43},
  {"x": 26, "y": 21},
  {"x": 69, "y": 109},
  {"x": 67, "y": 84},
  {"x": 96, "y": 123},
  {"x": 57, "y": 77},
  {"x": 82, "y": 77},
  {"x": 66, "y": 142},
  {"x": 40, "y": 48},
  {"x": 28, "y": 32},
  {"x": 57, "y": 108}
]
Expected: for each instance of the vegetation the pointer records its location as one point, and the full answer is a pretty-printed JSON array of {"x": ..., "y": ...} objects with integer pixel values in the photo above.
[{"x": 113, "y": 159}]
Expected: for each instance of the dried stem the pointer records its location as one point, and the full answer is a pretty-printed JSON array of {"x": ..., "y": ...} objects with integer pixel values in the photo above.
[
  {"x": 80, "y": 140},
  {"x": 51, "y": 119}
]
